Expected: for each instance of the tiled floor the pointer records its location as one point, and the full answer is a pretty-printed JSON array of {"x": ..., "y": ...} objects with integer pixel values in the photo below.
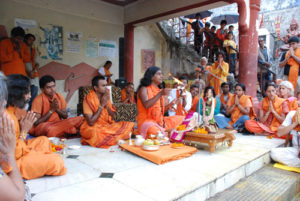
[{"x": 134, "y": 178}]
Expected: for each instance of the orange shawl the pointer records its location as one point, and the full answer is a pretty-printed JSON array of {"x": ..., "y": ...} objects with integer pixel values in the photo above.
[
  {"x": 277, "y": 105},
  {"x": 107, "y": 73},
  {"x": 228, "y": 98},
  {"x": 236, "y": 113},
  {"x": 124, "y": 96},
  {"x": 293, "y": 103},
  {"x": 294, "y": 70},
  {"x": 154, "y": 113},
  {"x": 180, "y": 109},
  {"x": 46, "y": 106},
  {"x": 93, "y": 101},
  {"x": 194, "y": 104}
]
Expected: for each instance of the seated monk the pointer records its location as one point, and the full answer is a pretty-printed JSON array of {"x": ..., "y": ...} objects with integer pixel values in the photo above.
[
  {"x": 151, "y": 105},
  {"x": 224, "y": 96},
  {"x": 34, "y": 157},
  {"x": 12, "y": 186},
  {"x": 272, "y": 113},
  {"x": 99, "y": 129},
  {"x": 286, "y": 91},
  {"x": 127, "y": 94},
  {"x": 239, "y": 108},
  {"x": 50, "y": 108},
  {"x": 194, "y": 89}
]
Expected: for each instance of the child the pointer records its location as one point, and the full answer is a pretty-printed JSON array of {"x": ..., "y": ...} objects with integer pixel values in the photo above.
[{"x": 209, "y": 103}]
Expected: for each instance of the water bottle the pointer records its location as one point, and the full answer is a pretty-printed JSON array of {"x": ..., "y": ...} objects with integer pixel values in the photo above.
[{"x": 69, "y": 112}]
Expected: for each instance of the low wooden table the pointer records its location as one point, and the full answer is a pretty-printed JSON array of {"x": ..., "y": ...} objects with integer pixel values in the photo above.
[{"x": 212, "y": 140}]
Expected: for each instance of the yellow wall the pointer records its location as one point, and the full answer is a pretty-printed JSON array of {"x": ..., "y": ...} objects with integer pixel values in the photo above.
[
  {"x": 146, "y": 37},
  {"x": 93, "y": 19}
]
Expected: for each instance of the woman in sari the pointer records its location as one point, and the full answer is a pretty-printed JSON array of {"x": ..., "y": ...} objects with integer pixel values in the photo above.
[
  {"x": 272, "y": 113},
  {"x": 286, "y": 91}
]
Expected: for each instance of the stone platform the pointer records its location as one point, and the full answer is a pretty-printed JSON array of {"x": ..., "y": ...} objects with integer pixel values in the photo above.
[{"x": 112, "y": 174}]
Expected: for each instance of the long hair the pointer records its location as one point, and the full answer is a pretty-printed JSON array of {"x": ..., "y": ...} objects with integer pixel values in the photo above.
[
  {"x": 209, "y": 88},
  {"x": 18, "y": 87},
  {"x": 147, "y": 79}
]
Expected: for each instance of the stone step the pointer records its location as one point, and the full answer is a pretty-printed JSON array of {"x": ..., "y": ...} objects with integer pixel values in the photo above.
[{"x": 268, "y": 183}]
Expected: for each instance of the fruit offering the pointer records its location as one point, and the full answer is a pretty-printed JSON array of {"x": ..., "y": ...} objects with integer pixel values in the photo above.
[
  {"x": 200, "y": 131},
  {"x": 181, "y": 127},
  {"x": 56, "y": 148},
  {"x": 150, "y": 142}
]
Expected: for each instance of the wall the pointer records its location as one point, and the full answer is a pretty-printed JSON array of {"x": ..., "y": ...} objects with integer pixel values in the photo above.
[
  {"x": 146, "y": 37},
  {"x": 93, "y": 18}
]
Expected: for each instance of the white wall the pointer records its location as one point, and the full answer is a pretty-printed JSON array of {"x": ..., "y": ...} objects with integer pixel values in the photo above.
[
  {"x": 93, "y": 18},
  {"x": 146, "y": 37}
]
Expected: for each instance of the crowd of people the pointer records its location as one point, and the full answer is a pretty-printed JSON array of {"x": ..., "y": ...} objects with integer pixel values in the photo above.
[
  {"x": 28, "y": 119},
  {"x": 208, "y": 41}
]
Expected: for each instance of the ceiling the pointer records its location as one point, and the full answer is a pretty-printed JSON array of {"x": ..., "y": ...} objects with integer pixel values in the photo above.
[{"x": 120, "y": 2}]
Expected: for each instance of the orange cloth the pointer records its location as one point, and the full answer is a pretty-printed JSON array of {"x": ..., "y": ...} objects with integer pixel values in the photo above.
[
  {"x": 108, "y": 78},
  {"x": 155, "y": 113},
  {"x": 215, "y": 82},
  {"x": 105, "y": 132},
  {"x": 294, "y": 69},
  {"x": 277, "y": 105},
  {"x": 194, "y": 104},
  {"x": 35, "y": 157},
  {"x": 293, "y": 104},
  {"x": 244, "y": 101},
  {"x": 229, "y": 96},
  {"x": 165, "y": 153},
  {"x": 54, "y": 126},
  {"x": 10, "y": 60},
  {"x": 124, "y": 96},
  {"x": 180, "y": 109}
]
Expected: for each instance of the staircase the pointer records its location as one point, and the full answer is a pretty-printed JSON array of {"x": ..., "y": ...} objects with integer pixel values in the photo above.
[{"x": 268, "y": 183}]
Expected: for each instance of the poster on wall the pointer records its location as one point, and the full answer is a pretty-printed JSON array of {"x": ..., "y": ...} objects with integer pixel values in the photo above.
[
  {"x": 51, "y": 42},
  {"x": 73, "y": 42},
  {"x": 91, "y": 48},
  {"x": 25, "y": 24},
  {"x": 148, "y": 59},
  {"x": 107, "y": 48}
]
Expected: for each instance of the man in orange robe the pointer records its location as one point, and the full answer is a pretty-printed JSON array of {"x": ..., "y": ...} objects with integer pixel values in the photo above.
[
  {"x": 194, "y": 89},
  {"x": 292, "y": 59},
  {"x": 151, "y": 105},
  {"x": 224, "y": 97},
  {"x": 99, "y": 129},
  {"x": 50, "y": 108},
  {"x": 127, "y": 94},
  {"x": 34, "y": 157},
  {"x": 13, "y": 53}
]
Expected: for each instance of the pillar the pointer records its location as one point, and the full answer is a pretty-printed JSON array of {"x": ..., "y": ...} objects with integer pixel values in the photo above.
[
  {"x": 129, "y": 51},
  {"x": 248, "y": 44}
]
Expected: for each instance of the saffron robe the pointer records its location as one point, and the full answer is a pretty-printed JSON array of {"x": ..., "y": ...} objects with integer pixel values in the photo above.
[
  {"x": 11, "y": 61},
  {"x": 35, "y": 157},
  {"x": 194, "y": 104},
  {"x": 215, "y": 82},
  {"x": 152, "y": 120},
  {"x": 54, "y": 126},
  {"x": 270, "y": 126},
  {"x": 105, "y": 132},
  {"x": 124, "y": 96},
  {"x": 244, "y": 101},
  {"x": 294, "y": 67}
]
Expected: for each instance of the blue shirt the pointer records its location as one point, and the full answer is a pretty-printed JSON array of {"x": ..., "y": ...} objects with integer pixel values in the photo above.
[
  {"x": 266, "y": 55},
  {"x": 217, "y": 108}
]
